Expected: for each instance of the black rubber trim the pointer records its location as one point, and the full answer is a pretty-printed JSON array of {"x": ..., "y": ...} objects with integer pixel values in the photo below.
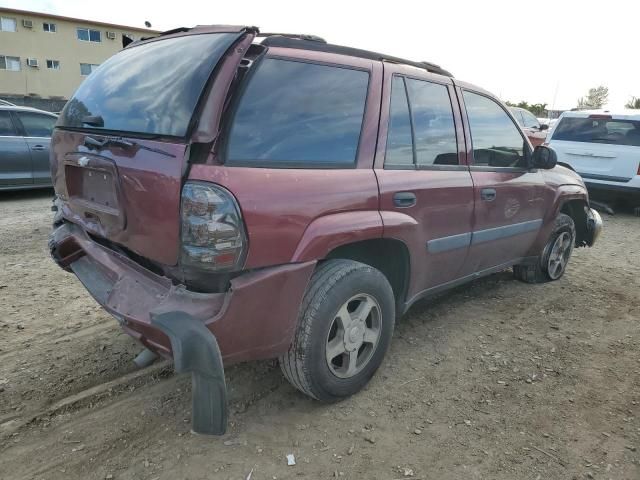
[
  {"x": 607, "y": 178},
  {"x": 452, "y": 242},
  {"x": 196, "y": 350}
]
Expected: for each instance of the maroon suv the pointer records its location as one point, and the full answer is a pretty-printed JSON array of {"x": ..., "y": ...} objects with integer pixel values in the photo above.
[{"x": 227, "y": 199}]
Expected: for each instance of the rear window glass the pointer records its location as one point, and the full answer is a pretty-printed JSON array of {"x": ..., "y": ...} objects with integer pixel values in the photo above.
[
  {"x": 296, "y": 113},
  {"x": 36, "y": 124},
  {"x": 152, "y": 88},
  {"x": 598, "y": 130}
]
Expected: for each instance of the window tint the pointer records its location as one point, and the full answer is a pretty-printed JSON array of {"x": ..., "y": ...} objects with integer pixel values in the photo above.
[
  {"x": 529, "y": 120},
  {"x": 6, "y": 126},
  {"x": 496, "y": 140},
  {"x": 36, "y": 125},
  {"x": 150, "y": 88},
  {"x": 434, "y": 129},
  {"x": 592, "y": 130},
  {"x": 399, "y": 139},
  {"x": 295, "y": 112}
]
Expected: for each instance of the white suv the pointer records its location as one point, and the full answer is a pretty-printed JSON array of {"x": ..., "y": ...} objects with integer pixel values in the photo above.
[{"x": 603, "y": 147}]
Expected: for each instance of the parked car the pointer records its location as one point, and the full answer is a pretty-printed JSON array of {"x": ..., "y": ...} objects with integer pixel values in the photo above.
[
  {"x": 291, "y": 200},
  {"x": 535, "y": 130},
  {"x": 25, "y": 134},
  {"x": 604, "y": 148}
]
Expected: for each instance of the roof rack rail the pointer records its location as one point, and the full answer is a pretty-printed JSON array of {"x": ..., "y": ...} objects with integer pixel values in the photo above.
[
  {"x": 301, "y": 42},
  {"x": 298, "y": 36}
]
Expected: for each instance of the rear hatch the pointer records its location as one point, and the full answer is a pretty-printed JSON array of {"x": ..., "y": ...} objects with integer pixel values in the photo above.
[
  {"x": 599, "y": 147},
  {"x": 120, "y": 148}
]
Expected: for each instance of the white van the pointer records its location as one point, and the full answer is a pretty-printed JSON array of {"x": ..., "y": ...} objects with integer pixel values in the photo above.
[{"x": 603, "y": 147}]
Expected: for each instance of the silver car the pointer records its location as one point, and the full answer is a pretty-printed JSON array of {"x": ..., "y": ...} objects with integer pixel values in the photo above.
[{"x": 25, "y": 134}]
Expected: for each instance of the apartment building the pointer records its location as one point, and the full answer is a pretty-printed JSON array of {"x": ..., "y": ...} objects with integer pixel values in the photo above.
[{"x": 43, "y": 58}]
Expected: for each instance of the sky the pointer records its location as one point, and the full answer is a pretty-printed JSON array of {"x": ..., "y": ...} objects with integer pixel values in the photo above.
[{"x": 541, "y": 51}]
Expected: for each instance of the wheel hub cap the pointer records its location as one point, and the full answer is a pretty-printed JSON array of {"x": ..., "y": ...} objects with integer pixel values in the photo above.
[
  {"x": 353, "y": 335},
  {"x": 559, "y": 255}
]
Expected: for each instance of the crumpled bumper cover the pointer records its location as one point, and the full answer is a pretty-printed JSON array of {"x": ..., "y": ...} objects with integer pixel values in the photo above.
[{"x": 255, "y": 319}]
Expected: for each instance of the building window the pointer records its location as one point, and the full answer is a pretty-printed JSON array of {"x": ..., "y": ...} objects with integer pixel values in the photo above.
[
  {"x": 88, "y": 35},
  {"x": 53, "y": 64},
  {"x": 49, "y": 27},
  {"x": 10, "y": 63},
  {"x": 7, "y": 24},
  {"x": 87, "y": 68}
]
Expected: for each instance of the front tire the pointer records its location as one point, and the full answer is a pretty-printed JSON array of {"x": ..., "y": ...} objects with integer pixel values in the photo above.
[
  {"x": 555, "y": 255},
  {"x": 345, "y": 327}
]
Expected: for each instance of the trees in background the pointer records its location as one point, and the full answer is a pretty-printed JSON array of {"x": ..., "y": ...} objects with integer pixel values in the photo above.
[
  {"x": 596, "y": 98},
  {"x": 633, "y": 103},
  {"x": 538, "y": 109}
]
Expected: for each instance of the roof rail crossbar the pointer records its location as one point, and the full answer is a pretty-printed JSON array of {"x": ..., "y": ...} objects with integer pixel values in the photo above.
[{"x": 304, "y": 44}]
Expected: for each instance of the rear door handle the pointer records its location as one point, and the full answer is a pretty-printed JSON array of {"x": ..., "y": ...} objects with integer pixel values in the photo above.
[
  {"x": 404, "y": 199},
  {"x": 38, "y": 147},
  {"x": 488, "y": 194}
]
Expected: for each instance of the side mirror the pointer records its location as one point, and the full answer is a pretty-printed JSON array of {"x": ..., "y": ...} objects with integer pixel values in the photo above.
[
  {"x": 544, "y": 157},
  {"x": 544, "y": 126}
]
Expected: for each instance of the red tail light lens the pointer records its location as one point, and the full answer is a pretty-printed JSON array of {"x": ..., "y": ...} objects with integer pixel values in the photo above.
[{"x": 213, "y": 234}]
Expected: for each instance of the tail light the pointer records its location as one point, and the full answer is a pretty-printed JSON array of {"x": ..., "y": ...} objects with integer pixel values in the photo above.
[{"x": 213, "y": 235}]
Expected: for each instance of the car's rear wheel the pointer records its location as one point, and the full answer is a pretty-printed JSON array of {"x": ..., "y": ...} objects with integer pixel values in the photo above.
[
  {"x": 555, "y": 255},
  {"x": 345, "y": 327}
]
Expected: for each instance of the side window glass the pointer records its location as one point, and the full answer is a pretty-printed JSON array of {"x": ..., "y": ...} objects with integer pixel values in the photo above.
[
  {"x": 496, "y": 140},
  {"x": 299, "y": 113},
  {"x": 6, "y": 125},
  {"x": 433, "y": 125},
  {"x": 399, "y": 140},
  {"x": 530, "y": 121},
  {"x": 36, "y": 125}
]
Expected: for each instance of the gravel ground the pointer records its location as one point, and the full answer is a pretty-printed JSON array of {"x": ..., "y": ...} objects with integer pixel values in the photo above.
[{"x": 494, "y": 380}]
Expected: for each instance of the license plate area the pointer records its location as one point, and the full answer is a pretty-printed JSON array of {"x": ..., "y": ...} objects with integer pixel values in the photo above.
[{"x": 94, "y": 195}]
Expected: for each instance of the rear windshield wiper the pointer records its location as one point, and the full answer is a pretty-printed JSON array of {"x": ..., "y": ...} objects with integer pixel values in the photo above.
[
  {"x": 91, "y": 143},
  {"x": 93, "y": 120}
]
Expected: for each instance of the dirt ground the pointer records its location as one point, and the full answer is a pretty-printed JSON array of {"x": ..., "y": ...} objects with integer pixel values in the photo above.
[{"x": 494, "y": 380}]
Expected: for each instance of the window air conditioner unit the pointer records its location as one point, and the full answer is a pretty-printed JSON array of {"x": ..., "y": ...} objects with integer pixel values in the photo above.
[
  {"x": 27, "y": 23},
  {"x": 32, "y": 62},
  {"x": 111, "y": 35}
]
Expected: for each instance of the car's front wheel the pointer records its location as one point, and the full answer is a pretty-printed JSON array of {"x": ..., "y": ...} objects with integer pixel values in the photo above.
[
  {"x": 345, "y": 327},
  {"x": 555, "y": 254}
]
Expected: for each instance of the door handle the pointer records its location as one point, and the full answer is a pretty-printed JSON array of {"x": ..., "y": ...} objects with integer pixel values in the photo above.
[
  {"x": 488, "y": 194},
  {"x": 404, "y": 199},
  {"x": 38, "y": 147}
]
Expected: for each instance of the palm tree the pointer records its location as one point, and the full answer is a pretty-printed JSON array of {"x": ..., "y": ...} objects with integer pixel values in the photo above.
[{"x": 633, "y": 103}]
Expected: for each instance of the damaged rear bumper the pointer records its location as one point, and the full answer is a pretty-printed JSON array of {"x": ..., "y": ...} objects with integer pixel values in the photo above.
[{"x": 254, "y": 319}]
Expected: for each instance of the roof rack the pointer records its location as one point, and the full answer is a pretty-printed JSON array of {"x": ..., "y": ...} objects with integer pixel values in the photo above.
[{"x": 311, "y": 42}]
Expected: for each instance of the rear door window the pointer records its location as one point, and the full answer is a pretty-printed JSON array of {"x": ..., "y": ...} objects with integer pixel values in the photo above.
[
  {"x": 496, "y": 140},
  {"x": 36, "y": 124},
  {"x": 6, "y": 125},
  {"x": 294, "y": 113},
  {"x": 399, "y": 137},
  {"x": 598, "y": 130},
  {"x": 434, "y": 129},
  {"x": 421, "y": 127}
]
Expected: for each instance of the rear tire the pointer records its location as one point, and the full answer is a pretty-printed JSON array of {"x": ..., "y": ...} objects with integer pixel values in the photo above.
[
  {"x": 344, "y": 329},
  {"x": 555, "y": 255}
]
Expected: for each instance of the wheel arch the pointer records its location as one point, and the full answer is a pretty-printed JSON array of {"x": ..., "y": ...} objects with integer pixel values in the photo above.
[
  {"x": 389, "y": 256},
  {"x": 577, "y": 209}
]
